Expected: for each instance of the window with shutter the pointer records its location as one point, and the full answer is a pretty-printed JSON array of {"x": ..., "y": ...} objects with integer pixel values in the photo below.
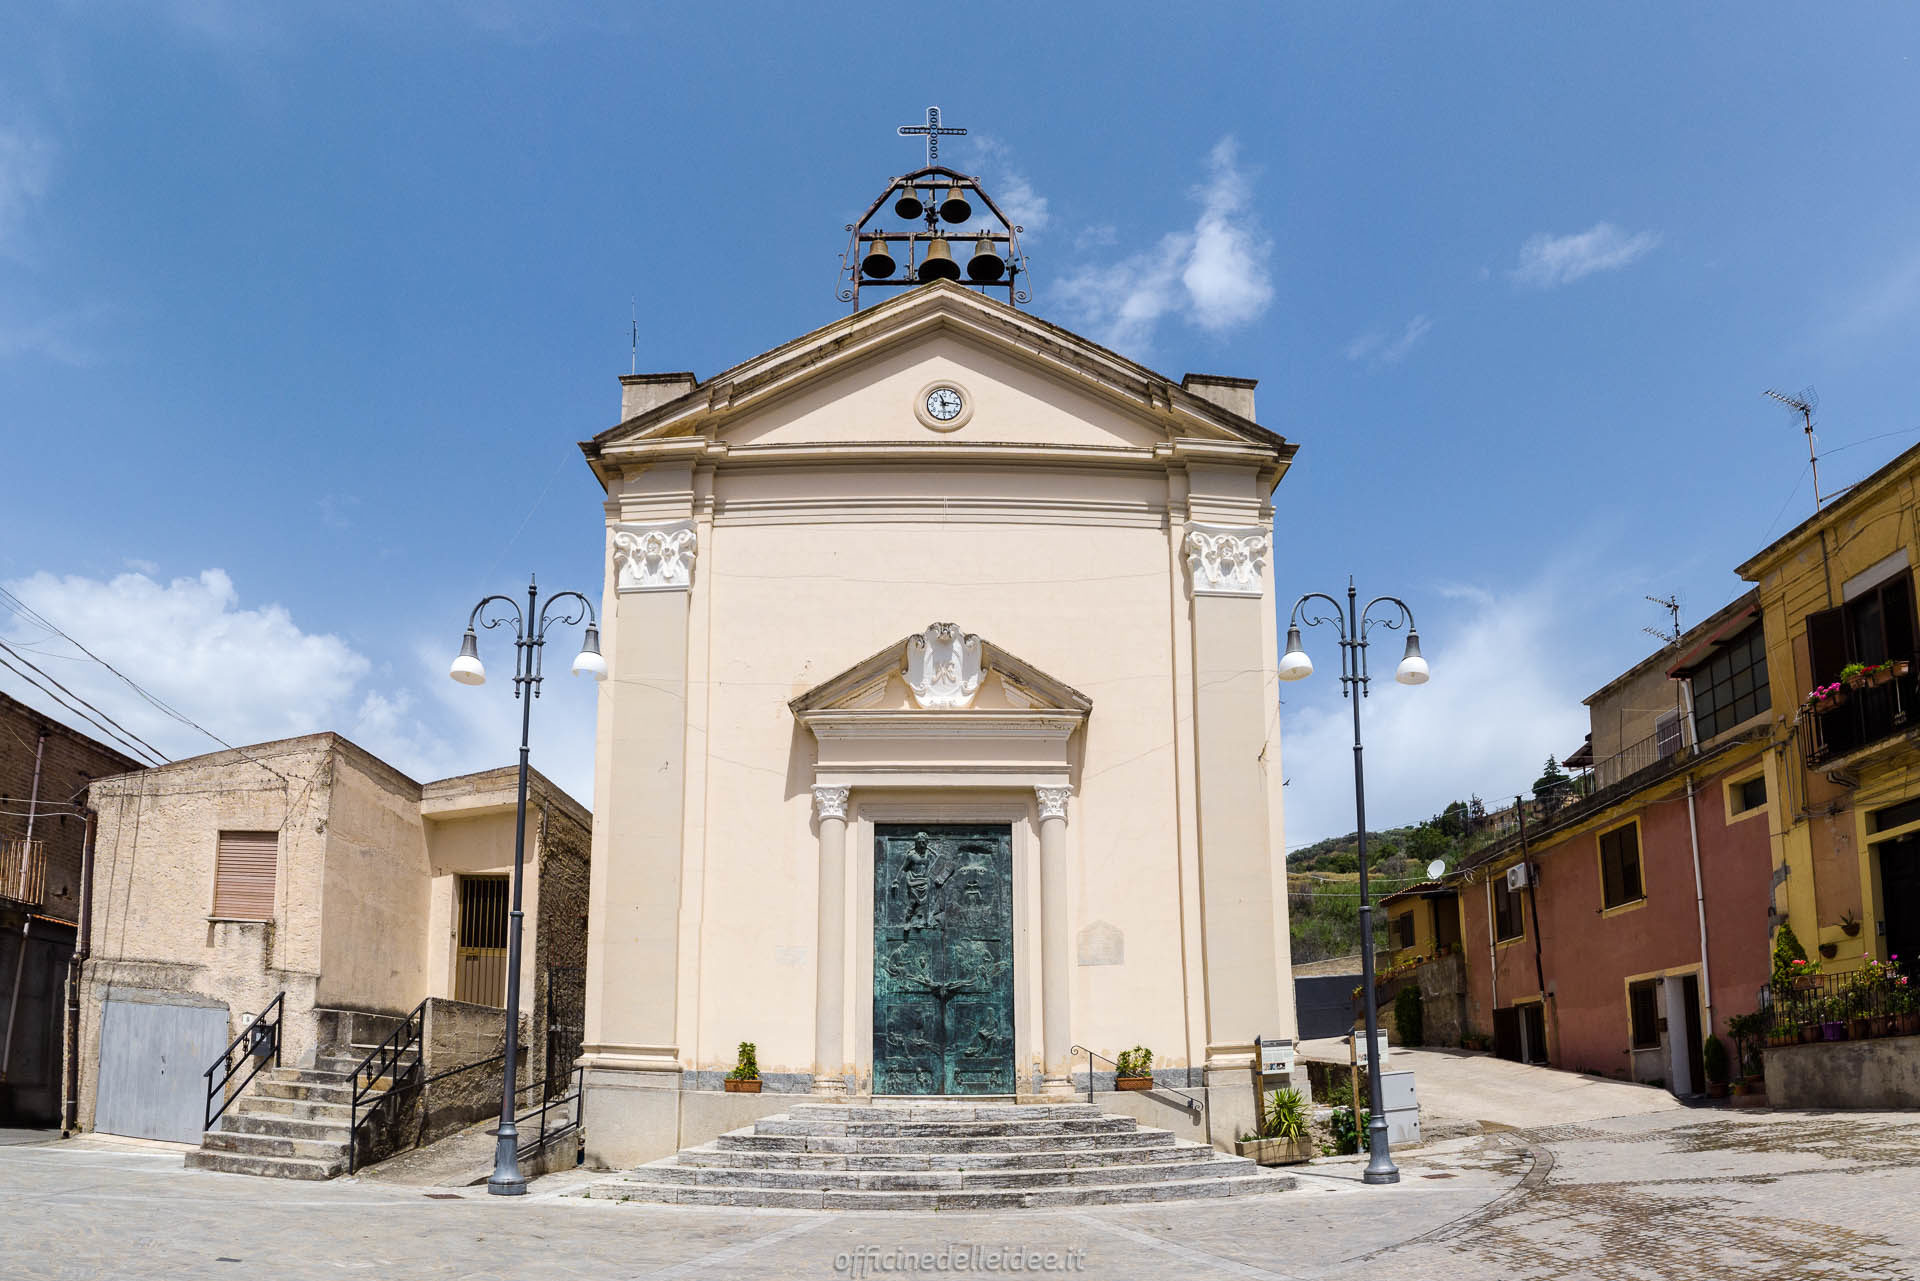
[
  {"x": 1620, "y": 867},
  {"x": 243, "y": 875}
]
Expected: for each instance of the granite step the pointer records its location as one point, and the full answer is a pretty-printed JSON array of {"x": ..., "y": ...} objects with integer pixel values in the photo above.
[
  {"x": 941, "y": 1157},
  {"x": 275, "y": 1167},
  {"x": 244, "y": 1143},
  {"x": 303, "y": 1109},
  {"x": 862, "y": 1201},
  {"x": 287, "y": 1127}
]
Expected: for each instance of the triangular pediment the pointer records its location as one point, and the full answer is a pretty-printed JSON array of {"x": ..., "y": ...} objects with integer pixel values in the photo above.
[
  {"x": 946, "y": 670},
  {"x": 857, "y": 380}
]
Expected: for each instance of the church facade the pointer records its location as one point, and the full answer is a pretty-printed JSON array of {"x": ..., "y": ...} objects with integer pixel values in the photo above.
[{"x": 941, "y": 737}]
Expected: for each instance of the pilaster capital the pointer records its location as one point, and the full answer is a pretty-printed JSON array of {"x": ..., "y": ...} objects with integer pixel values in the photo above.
[
  {"x": 830, "y": 801},
  {"x": 1053, "y": 802},
  {"x": 1226, "y": 560},
  {"x": 653, "y": 558}
]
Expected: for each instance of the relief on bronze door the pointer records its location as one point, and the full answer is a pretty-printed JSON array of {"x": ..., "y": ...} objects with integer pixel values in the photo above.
[{"x": 943, "y": 959}]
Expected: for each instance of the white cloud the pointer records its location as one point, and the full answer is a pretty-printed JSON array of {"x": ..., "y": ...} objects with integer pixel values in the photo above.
[
  {"x": 1547, "y": 261},
  {"x": 1503, "y": 696},
  {"x": 252, "y": 674},
  {"x": 1376, "y": 349},
  {"x": 1024, "y": 207},
  {"x": 1214, "y": 276},
  {"x": 26, "y": 163}
]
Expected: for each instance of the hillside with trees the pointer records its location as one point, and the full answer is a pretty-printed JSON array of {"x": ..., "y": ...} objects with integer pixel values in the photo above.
[{"x": 1323, "y": 879}]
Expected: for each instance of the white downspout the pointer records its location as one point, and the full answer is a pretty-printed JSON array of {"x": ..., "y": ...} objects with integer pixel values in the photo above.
[
  {"x": 1493, "y": 954},
  {"x": 1700, "y": 906}
]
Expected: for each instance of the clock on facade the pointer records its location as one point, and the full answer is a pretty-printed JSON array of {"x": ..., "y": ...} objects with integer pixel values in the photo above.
[{"x": 943, "y": 407}]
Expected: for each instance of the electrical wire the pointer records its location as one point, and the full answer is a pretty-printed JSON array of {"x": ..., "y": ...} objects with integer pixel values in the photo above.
[
  {"x": 151, "y": 749},
  {"x": 77, "y": 712}
]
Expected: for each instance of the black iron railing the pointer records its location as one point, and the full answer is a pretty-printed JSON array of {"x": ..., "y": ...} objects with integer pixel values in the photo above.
[
  {"x": 389, "y": 1064},
  {"x": 1860, "y": 717},
  {"x": 1819, "y": 999},
  {"x": 258, "y": 1041},
  {"x": 567, "y": 1104},
  {"x": 1188, "y": 1101}
]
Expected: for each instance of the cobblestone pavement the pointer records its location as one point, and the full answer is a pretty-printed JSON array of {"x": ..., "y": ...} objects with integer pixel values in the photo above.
[{"x": 1758, "y": 1196}]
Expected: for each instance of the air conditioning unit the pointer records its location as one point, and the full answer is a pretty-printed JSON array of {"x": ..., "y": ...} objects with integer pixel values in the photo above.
[{"x": 1519, "y": 876}]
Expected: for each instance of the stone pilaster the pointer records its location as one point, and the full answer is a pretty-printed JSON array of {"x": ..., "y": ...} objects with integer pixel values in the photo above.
[
  {"x": 1056, "y": 1004},
  {"x": 829, "y": 1011}
]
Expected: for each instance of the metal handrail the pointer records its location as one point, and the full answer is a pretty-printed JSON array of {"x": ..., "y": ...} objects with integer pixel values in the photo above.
[
  {"x": 1193, "y": 1104},
  {"x": 574, "y": 1095},
  {"x": 387, "y": 1055},
  {"x": 251, "y": 1036}
]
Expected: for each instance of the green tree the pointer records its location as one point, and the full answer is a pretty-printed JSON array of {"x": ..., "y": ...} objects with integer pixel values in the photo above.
[{"x": 1550, "y": 789}]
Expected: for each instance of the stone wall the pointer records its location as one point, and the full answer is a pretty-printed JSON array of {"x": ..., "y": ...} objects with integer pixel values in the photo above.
[
  {"x": 1877, "y": 1075},
  {"x": 1443, "y": 1001},
  {"x": 560, "y": 934}
]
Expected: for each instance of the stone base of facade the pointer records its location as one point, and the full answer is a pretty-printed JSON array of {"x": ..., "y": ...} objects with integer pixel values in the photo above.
[{"x": 1877, "y": 1075}]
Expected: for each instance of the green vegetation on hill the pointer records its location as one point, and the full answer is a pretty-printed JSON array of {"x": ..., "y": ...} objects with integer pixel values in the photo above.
[{"x": 1323, "y": 882}]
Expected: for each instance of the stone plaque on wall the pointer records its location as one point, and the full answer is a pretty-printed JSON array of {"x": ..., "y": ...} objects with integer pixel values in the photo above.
[{"x": 1101, "y": 944}]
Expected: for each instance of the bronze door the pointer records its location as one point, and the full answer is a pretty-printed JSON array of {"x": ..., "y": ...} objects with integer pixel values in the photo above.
[{"x": 943, "y": 959}]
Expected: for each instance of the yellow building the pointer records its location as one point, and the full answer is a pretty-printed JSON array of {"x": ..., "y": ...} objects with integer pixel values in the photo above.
[{"x": 1837, "y": 598}]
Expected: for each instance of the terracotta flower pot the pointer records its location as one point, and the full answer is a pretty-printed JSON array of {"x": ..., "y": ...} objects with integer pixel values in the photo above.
[
  {"x": 742, "y": 1087},
  {"x": 1133, "y": 1083},
  {"x": 1809, "y": 1033},
  {"x": 1716, "y": 1089},
  {"x": 1859, "y": 1029}
]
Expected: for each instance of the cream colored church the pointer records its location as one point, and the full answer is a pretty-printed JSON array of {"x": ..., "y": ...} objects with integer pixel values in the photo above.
[{"x": 942, "y": 734}]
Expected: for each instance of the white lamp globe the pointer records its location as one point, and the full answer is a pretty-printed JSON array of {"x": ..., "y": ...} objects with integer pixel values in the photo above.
[
  {"x": 589, "y": 661},
  {"x": 1294, "y": 664},
  {"x": 1413, "y": 668},
  {"x": 467, "y": 668}
]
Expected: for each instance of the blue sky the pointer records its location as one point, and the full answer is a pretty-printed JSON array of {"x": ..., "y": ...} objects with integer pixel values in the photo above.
[{"x": 302, "y": 310}]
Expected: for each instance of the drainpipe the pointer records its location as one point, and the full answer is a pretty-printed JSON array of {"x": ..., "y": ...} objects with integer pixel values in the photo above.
[
  {"x": 1700, "y": 906},
  {"x": 1493, "y": 952},
  {"x": 1533, "y": 908},
  {"x": 71, "y": 1121},
  {"x": 26, "y": 926}
]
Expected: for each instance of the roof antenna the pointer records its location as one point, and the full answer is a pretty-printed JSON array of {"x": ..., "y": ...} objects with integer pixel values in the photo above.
[
  {"x": 633, "y": 361},
  {"x": 1671, "y": 604},
  {"x": 1804, "y": 404}
]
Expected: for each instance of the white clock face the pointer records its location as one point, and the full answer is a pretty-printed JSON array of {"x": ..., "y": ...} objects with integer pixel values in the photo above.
[{"x": 944, "y": 404}]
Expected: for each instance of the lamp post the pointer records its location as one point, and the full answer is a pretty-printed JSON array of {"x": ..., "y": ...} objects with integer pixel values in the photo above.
[
  {"x": 1354, "y": 623},
  {"x": 529, "y": 636}
]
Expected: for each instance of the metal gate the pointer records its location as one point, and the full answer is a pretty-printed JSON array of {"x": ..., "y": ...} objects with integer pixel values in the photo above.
[
  {"x": 153, "y": 1067},
  {"x": 943, "y": 960},
  {"x": 481, "y": 976}
]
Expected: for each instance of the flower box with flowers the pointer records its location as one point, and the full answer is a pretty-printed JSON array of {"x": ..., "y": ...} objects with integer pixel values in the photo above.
[{"x": 1823, "y": 698}]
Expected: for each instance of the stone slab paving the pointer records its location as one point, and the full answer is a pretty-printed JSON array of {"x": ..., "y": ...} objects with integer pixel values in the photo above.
[{"x": 1691, "y": 1194}]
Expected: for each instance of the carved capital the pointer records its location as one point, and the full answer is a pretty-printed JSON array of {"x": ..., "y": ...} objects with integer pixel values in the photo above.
[
  {"x": 830, "y": 802},
  {"x": 654, "y": 558},
  {"x": 1226, "y": 561},
  {"x": 1053, "y": 802}
]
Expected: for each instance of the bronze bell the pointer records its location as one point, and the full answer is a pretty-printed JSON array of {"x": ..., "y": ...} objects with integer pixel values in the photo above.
[
  {"x": 939, "y": 263},
  {"x": 954, "y": 206},
  {"x": 909, "y": 206},
  {"x": 878, "y": 263},
  {"x": 986, "y": 265}
]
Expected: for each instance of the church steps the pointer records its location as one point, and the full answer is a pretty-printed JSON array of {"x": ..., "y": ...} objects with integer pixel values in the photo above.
[
  {"x": 950, "y": 1199},
  {"x": 247, "y": 1144},
  {"x": 941, "y": 1157}
]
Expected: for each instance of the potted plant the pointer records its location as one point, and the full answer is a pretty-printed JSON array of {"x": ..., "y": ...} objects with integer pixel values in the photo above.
[
  {"x": 1833, "y": 1019},
  {"x": 1829, "y": 950},
  {"x": 1850, "y": 924},
  {"x": 1282, "y": 1139},
  {"x": 1713, "y": 1060},
  {"x": 745, "y": 1077},
  {"x": 1135, "y": 1069},
  {"x": 1824, "y": 698}
]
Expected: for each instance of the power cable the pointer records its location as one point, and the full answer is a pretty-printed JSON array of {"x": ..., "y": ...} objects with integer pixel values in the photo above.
[
  {"x": 76, "y": 711},
  {"x": 151, "y": 749}
]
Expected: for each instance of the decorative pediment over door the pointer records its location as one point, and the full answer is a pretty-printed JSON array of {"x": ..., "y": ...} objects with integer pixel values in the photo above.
[{"x": 942, "y": 708}]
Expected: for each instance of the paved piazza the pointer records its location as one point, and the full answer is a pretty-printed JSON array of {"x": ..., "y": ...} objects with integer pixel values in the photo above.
[{"x": 1686, "y": 1194}]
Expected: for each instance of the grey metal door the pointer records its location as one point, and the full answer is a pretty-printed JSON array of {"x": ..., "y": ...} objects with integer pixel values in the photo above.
[
  {"x": 943, "y": 960},
  {"x": 153, "y": 1066}
]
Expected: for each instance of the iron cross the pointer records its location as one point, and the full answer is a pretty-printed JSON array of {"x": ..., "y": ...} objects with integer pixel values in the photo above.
[{"x": 933, "y": 131}]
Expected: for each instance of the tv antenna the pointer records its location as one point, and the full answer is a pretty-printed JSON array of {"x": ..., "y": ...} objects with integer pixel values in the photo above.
[
  {"x": 1804, "y": 405},
  {"x": 1672, "y": 605},
  {"x": 633, "y": 332}
]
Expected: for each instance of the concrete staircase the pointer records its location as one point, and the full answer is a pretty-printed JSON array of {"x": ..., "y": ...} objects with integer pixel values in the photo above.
[
  {"x": 290, "y": 1123},
  {"x": 941, "y": 1156}
]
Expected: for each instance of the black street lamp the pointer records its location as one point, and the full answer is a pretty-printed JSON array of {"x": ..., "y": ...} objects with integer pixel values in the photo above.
[
  {"x": 529, "y": 635},
  {"x": 1354, "y": 624}
]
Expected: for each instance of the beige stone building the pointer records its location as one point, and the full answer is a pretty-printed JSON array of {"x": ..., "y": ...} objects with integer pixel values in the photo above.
[
  {"x": 942, "y": 731},
  {"x": 312, "y": 868}
]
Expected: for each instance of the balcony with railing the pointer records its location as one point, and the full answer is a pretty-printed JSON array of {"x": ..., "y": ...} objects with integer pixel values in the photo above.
[
  {"x": 23, "y": 871},
  {"x": 1867, "y": 713}
]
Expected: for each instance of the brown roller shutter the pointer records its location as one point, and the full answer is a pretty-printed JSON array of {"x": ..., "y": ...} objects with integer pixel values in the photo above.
[{"x": 243, "y": 875}]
